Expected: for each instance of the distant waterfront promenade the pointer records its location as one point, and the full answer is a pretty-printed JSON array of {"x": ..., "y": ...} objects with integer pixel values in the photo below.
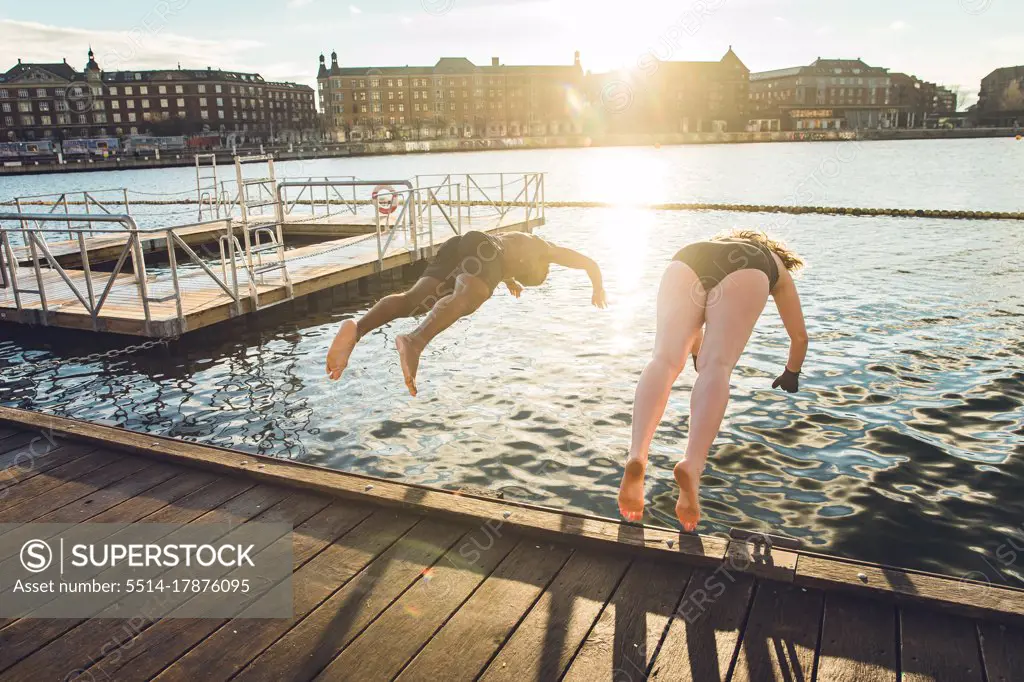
[{"x": 349, "y": 149}]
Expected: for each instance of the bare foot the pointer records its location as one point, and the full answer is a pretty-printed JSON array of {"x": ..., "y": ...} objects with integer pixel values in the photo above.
[
  {"x": 409, "y": 356},
  {"x": 631, "y": 491},
  {"x": 341, "y": 349},
  {"x": 688, "y": 506}
]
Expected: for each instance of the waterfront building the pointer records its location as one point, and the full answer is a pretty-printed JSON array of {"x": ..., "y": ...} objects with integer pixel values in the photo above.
[
  {"x": 454, "y": 98},
  {"x": 56, "y": 101},
  {"x": 1001, "y": 100},
  {"x": 829, "y": 94},
  {"x": 674, "y": 97},
  {"x": 919, "y": 101}
]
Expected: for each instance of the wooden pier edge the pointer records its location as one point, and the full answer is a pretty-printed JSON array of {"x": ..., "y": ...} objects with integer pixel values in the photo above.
[{"x": 802, "y": 568}]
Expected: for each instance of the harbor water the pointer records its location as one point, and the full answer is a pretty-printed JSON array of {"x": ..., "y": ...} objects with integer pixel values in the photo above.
[{"x": 904, "y": 445}]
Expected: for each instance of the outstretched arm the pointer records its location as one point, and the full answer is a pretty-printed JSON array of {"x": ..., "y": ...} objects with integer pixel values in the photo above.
[
  {"x": 567, "y": 258},
  {"x": 787, "y": 300}
]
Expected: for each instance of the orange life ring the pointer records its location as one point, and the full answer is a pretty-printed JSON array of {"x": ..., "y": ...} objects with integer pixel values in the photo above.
[{"x": 385, "y": 209}]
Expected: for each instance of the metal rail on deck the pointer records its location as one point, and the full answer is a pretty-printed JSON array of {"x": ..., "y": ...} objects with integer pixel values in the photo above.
[{"x": 80, "y": 283}]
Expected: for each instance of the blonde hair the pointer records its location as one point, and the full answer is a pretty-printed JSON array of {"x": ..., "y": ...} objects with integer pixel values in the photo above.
[{"x": 789, "y": 258}]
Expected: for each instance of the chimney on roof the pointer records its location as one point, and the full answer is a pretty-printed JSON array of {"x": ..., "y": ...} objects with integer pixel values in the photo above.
[
  {"x": 495, "y": 61},
  {"x": 576, "y": 58}
]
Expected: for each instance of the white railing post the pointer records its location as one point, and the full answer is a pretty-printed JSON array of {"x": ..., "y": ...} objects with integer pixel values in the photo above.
[
  {"x": 172, "y": 263},
  {"x": 458, "y": 194},
  {"x": 380, "y": 249}
]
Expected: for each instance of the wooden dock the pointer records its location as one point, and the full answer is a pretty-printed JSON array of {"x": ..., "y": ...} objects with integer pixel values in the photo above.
[
  {"x": 107, "y": 248},
  {"x": 405, "y": 582},
  {"x": 312, "y": 268}
]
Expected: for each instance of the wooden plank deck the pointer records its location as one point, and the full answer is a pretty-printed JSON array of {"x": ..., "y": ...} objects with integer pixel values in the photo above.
[
  {"x": 393, "y": 581},
  {"x": 312, "y": 268}
]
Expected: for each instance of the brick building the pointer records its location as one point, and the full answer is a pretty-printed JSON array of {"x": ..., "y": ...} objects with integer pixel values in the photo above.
[
  {"x": 829, "y": 94},
  {"x": 674, "y": 97},
  {"x": 453, "y": 98},
  {"x": 55, "y": 101},
  {"x": 1001, "y": 100},
  {"x": 835, "y": 94},
  {"x": 920, "y": 100}
]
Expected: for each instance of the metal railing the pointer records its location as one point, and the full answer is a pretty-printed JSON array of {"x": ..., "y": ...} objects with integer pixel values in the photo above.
[
  {"x": 500, "y": 192},
  {"x": 81, "y": 284}
]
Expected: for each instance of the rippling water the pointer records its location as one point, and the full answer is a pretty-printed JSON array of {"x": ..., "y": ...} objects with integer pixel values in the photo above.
[{"x": 904, "y": 445}]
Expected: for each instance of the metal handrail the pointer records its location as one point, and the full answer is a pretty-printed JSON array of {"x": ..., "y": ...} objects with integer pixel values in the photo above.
[
  {"x": 38, "y": 253},
  {"x": 132, "y": 247}
]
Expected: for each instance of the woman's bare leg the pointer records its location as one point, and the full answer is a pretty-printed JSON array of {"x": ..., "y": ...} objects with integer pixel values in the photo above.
[
  {"x": 470, "y": 293},
  {"x": 680, "y": 314},
  {"x": 731, "y": 315},
  {"x": 425, "y": 292}
]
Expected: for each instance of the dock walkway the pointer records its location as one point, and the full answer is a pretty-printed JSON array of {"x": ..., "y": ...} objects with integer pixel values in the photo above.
[
  {"x": 54, "y": 265},
  {"x": 396, "y": 581}
]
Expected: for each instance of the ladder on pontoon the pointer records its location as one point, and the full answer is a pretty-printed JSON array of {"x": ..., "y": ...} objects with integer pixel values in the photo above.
[
  {"x": 262, "y": 235},
  {"x": 209, "y": 200}
]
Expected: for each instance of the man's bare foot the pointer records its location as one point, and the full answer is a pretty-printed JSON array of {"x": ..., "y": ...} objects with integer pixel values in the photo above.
[
  {"x": 409, "y": 355},
  {"x": 631, "y": 491},
  {"x": 341, "y": 349},
  {"x": 688, "y": 506}
]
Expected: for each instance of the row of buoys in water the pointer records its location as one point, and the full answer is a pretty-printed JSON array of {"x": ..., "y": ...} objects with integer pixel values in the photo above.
[
  {"x": 826, "y": 210},
  {"x": 737, "y": 208}
]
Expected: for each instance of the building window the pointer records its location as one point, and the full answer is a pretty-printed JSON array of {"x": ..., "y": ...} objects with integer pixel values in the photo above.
[
  {"x": 44, "y": 106},
  {"x": 178, "y": 90},
  {"x": 23, "y": 93},
  {"x": 163, "y": 104},
  {"x": 4, "y": 94},
  {"x": 7, "y": 107},
  {"x": 97, "y": 118},
  {"x": 217, "y": 89},
  {"x": 143, "y": 90},
  {"x": 202, "y": 89},
  {"x": 180, "y": 102},
  {"x": 63, "y": 119},
  {"x": 204, "y": 114},
  {"x": 220, "y": 113},
  {"x": 362, "y": 108},
  {"x": 9, "y": 120},
  {"x": 400, "y": 83},
  {"x": 41, "y": 92},
  {"x": 45, "y": 120},
  {"x": 128, "y": 90},
  {"x": 391, "y": 95},
  {"x": 391, "y": 108},
  {"x": 145, "y": 104},
  {"x": 452, "y": 106},
  {"x": 401, "y": 107},
  {"x": 220, "y": 101},
  {"x": 24, "y": 107},
  {"x": 131, "y": 118},
  {"x": 82, "y": 118},
  {"x": 117, "y": 118},
  {"x": 27, "y": 120}
]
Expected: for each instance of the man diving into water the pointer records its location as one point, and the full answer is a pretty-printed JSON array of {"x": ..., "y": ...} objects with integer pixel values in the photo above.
[{"x": 461, "y": 277}]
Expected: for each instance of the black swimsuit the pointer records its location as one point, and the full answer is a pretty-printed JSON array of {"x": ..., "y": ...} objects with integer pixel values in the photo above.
[
  {"x": 473, "y": 253},
  {"x": 712, "y": 261}
]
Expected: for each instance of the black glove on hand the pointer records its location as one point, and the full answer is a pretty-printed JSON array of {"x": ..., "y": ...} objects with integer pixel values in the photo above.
[{"x": 789, "y": 381}]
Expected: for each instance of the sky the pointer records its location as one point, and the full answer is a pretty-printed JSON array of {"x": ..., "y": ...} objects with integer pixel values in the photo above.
[{"x": 951, "y": 42}]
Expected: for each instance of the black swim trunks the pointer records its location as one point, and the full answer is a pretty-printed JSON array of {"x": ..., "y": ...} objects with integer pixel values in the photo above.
[
  {"x": 473, "y": 253},
  {"x": 712, "y": 261}
]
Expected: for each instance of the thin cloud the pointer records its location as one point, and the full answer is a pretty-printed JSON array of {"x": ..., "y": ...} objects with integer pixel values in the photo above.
[
  {"x": 354, "y": 10},
  {"x": 897, "y": 25},
  {"x": 138, "y": 48},
  {"x": 295, "y": 4}
]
